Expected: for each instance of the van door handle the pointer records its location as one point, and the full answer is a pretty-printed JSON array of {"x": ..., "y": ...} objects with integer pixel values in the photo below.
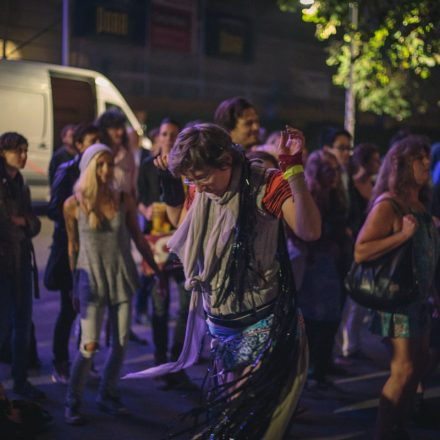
[{"x": 42, "y": 146}]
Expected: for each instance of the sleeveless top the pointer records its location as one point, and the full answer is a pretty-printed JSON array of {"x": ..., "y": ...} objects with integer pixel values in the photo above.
[{"x": 105, "y": 269}]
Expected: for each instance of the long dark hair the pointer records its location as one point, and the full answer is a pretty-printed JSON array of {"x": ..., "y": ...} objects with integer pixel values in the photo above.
[{"x": 396, "y": 173}]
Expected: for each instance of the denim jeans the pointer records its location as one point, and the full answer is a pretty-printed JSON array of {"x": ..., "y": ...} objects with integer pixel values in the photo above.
[
  {"x": 63, "y": 325},
  {"x": 91, "y": 322},
  {"x": 16, "y": 309},
  {"x": 160, "y": 319}
]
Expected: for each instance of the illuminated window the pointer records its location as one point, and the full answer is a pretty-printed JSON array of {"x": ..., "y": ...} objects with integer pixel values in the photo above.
[{"x": 11, "y": 50}]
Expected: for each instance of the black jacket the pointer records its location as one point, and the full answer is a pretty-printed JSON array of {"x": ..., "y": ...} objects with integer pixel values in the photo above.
[
  {"x": 61, "y": 189},
  {"x": 15, "y": 241}
]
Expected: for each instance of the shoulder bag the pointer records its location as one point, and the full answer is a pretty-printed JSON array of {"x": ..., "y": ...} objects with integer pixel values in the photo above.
[{"x": 387, "y": 282}]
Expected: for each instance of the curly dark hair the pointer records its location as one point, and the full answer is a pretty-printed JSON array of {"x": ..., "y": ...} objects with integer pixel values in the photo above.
[
  {"x": 111, "y": 118},
  {"x": 396, "y": 173}
]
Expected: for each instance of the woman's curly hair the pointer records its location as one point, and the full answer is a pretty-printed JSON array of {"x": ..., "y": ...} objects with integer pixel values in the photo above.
[{"x": 396, "y": 173}]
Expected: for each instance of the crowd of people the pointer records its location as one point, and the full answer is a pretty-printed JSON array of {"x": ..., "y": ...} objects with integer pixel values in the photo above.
[{"x": 260, "y": 237}]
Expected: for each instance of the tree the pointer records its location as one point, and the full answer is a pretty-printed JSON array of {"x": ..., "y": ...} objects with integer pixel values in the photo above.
[{"x": 393, "y": 48}]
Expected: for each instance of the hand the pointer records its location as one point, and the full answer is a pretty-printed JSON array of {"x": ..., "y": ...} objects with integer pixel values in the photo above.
[
  {"x": 161, "y": 162},
  {"x": 18, "y": 220},
  {"x": 292, "y": 141},
  {"x": 409, "y": 226}
]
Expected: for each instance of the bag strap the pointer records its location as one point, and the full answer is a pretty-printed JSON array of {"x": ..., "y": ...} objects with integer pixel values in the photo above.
[{"x": 397, "y": 207}]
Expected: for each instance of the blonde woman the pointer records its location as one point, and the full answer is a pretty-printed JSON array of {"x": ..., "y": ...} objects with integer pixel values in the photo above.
[{"x": 99, "y": 222}]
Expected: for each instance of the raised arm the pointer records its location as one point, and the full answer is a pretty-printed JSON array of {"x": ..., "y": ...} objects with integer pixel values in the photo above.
[
  {"x": 70, "y": 210},
  {"x": 382, "y": 232},
  {"x": 299, "y": 211}
]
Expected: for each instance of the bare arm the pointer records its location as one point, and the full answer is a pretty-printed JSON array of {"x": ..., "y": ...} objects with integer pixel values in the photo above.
[
  {"x": 377, "y": 236},
  {"x": 174, "y": 214},
  {"x": 70, "y": 210},
  {"x": 299, "y": 211},
  {"x": 138, "y": 238}
]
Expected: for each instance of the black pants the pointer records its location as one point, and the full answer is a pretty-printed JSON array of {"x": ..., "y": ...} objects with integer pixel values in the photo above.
[
  {"x": 63, "y": 325},
  {"x": 159, "y": 321},
  {"x": 321, "y": 336}
]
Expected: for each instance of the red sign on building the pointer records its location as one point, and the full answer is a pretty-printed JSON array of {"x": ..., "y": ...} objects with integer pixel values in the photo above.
[{"x": 172, "y": 25}]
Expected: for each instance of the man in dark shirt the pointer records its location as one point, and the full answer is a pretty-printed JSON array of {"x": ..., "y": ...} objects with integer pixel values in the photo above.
[
  {"x": 57, "y": 275},
  {"x": 151, "y": 192},
  {"x": 64, "y": 153}
]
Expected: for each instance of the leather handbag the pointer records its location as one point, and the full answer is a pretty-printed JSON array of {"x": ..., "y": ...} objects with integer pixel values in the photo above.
[{"x": 387, "y": 282}]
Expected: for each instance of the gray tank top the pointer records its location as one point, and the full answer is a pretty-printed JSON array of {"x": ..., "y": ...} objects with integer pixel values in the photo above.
[{"x": 105, "y": 269}]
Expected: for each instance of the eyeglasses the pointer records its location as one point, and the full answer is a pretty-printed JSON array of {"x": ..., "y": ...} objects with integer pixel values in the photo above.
[{"x": 201, "y": 181}]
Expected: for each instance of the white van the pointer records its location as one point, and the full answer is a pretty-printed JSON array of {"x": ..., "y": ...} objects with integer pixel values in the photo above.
[{"x": 38, "y": 99}]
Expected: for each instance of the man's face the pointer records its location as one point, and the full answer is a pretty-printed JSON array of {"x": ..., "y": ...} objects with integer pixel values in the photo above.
[
  {"x": 89, "y": 139},
  {"x": 247, "y": 129},
  {"x": 342, "y": 150},
  {"x": 116, "y": 135},
  {"x": 167, "y": 136}
]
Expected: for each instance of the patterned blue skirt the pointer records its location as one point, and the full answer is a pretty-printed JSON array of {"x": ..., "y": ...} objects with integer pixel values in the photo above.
[{"x": 235, "y": 349}]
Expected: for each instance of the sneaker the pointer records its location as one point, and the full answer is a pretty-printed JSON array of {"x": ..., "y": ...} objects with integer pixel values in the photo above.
[
  {"x": 111, "y": 405},
  {"x": 28, "y": 391},
  {"x": 60, "y": 373},
  {"x": 74, "y": 417}
]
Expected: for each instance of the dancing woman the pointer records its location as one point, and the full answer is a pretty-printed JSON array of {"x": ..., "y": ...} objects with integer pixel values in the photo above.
[{"x": 232, "y": 247}]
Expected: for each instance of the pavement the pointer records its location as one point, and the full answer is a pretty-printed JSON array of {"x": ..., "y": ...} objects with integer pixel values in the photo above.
[{"x": 345, "y": 410}]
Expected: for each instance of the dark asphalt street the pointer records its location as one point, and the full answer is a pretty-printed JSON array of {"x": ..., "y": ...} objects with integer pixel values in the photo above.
[{"x": 345, "y": 410}]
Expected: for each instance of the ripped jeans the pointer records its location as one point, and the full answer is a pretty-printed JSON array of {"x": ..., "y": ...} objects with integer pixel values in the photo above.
[{"x": 91, "y": 321}]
